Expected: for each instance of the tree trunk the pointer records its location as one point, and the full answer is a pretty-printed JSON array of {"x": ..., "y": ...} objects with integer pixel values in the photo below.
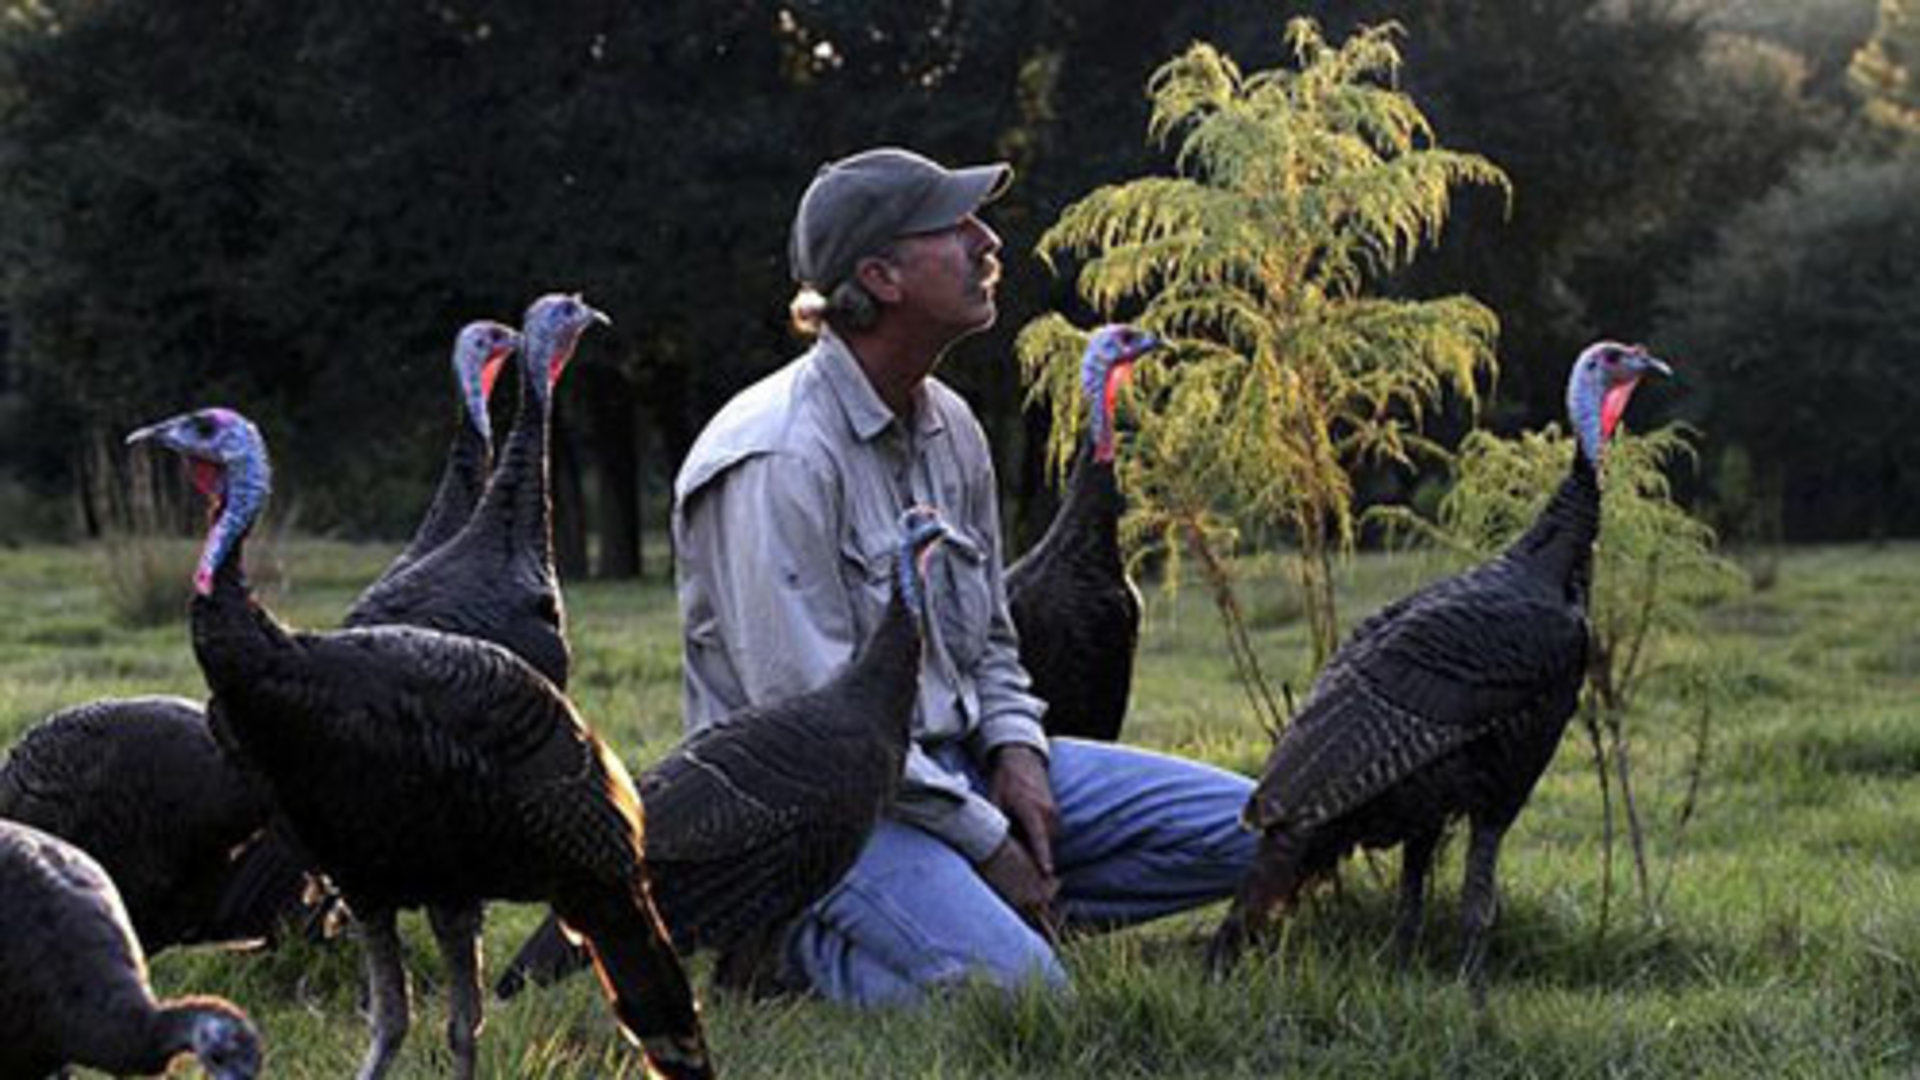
[
  {"x": 615, "y": 438},
  {"x": 569, "y": 501},
  {"x": 674, "y": 419}
]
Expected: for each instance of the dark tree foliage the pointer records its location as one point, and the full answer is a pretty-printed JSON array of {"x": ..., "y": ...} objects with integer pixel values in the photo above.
[
  {"x": 1628, "y": 131},
  {"x": 1806, "y": 319},
  {"x": 291, "y": 207}
]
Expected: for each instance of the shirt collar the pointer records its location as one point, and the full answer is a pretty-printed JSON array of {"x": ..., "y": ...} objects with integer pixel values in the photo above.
[{"x": 865, "y": 412}]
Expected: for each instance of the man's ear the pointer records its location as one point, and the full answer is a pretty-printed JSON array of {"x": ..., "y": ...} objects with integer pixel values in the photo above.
[{"x": 879, "y": 277}]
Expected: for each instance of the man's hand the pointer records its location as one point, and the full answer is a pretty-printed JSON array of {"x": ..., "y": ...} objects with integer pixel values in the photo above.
[
  {"x": 1021, "y": 790},
  {"x": 1020, "y": 883},
  {"x": 1021, "y": 868}
]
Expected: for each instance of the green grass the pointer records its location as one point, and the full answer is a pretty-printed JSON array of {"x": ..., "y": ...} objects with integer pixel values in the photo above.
[{"x": 1787, "y": 943}]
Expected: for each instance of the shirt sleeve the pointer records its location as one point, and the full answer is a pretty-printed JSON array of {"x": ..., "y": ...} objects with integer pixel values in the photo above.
[{"x": 941, "y": 802}]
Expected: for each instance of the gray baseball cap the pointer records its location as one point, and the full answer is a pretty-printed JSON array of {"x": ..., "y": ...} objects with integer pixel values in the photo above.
[{"x": 858, "y": 203}]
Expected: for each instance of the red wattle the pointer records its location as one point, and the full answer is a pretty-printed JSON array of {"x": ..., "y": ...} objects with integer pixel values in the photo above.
[
  {"x": 489, "y": 371},
  {"x": 1612, "y": 405},
  {"x": 1117, "y": 377},
  {"x": 205, "y": 476}
]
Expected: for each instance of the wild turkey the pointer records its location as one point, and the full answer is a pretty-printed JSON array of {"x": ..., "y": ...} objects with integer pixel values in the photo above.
[
  {"x": 425, "y": 768},
  {"x": 73, "y": 981},
  {"x": 1447, "y": 702},
  {"x": 140, "y": 784},
  {"x": 752, "y": 819},
  {"x": 1077, "y": 613},
  {"x": 479, "y": 349},
  {"x": 495, "y": 579}
]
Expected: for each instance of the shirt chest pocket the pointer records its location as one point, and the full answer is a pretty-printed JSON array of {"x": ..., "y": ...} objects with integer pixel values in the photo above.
[{"x": 960, "y": 591}]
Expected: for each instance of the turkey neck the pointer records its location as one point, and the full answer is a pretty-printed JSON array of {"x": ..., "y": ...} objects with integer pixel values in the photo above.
[
  {"x": 886, "y": 670},
  {"x": 515, "y": 507},
  {"x": 461, "y": 484},
  {"x": 147, "y": 1044},
  {"x": 229, "y": 629},
  {"x": 1559, "y": 545},
  {"x": 1090, "y": 511}
]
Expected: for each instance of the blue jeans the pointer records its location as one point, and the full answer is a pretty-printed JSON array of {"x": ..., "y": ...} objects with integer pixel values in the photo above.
[{"x": 1141, "y": 835}]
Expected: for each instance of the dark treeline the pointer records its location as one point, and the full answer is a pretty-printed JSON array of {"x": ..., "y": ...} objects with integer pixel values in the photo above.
[{"x": 290, "y": 208}]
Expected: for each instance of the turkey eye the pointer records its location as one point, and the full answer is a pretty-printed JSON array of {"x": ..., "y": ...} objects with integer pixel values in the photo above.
[{"x": 203, "y": 427}]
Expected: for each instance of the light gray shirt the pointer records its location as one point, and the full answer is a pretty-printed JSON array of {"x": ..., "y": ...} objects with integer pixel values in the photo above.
[{"x": 786, "y": 523}]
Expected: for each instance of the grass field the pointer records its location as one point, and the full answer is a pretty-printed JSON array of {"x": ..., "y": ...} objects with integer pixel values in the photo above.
[{"x": 1787, "y": 942}]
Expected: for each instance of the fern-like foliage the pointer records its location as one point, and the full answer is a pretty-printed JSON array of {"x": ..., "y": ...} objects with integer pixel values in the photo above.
[{"x": 1296, "y": 188}]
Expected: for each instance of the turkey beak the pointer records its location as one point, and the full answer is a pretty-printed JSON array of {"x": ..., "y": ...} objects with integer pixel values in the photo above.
[
  {"x": 1123, "y": 371},
  {"x": 599, "y": 316},
  {"x": 1657, "y": 366},
  {"x": 160, "y": 432}
]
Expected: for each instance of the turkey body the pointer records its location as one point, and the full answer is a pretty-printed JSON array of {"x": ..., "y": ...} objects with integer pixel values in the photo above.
[
  {"x": 419, "y": 767},
  {"x": 759, "y": 816},
  {"x": 73, "y": 979},
  {"x": 754, "y": 818},
  {"x": 140, "y": 785},
  {"x": 1076, "y": 611},
  {"x": 423, "y": 768},
  {"x": 1448, "y": 703}
]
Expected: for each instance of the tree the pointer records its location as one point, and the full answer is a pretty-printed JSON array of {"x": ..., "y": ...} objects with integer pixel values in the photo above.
[
  {"x": 1798, "y": 331},
  {"x": 292, "y": 207},
  {"x": 1297, "y": 191}
]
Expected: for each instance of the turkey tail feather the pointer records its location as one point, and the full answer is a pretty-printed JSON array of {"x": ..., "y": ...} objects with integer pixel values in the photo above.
[
  {"x": 642, "y": 976},
  {"x": 266, "y": 886},
  {"x": 545, "y": 958}
]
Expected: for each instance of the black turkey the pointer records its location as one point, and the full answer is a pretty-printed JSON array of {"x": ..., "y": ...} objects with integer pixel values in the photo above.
[
  {"x": 140, "y": 785},
  {"x": 1077, "y": 613},
  {"x": 425, "y": 768},
  {"x": 73, "y": 981},
  {"x": 754, "y": 818},
  {"x": 1448, "y": 702},
  {"x": 495, "y": 578},
  {"x": 479, "y": 349}
]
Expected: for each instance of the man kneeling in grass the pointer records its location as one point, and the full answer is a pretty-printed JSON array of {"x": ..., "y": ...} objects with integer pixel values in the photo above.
[{"x": 998, "y": 836}]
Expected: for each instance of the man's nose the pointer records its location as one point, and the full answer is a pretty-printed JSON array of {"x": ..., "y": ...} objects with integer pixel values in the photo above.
[{"x": 985, "y": 239}]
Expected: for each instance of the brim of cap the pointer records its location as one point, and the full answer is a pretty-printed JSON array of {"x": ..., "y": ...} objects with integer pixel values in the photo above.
[{"x": 960, "y": 193}]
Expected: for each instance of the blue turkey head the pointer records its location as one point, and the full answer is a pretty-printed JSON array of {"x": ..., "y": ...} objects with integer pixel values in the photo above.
[
  {"x": 1105, "y": 367},
  {"x": 227, "y": 461},
  {"x": 551, "y": 329},
  {"x": 921, "y": 530},
  {"x": 226, "y": 1044},
  {"x": 478, "y": 353},
  {"x": 1602, "y": 381},
  {"x": 218, "y": 444}
]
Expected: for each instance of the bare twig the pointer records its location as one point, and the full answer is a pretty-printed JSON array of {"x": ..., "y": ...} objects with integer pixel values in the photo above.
[
  {"x": 1591, "y": 721},
  {"x": 1636, "y": 833},
  {"x": 1696, "y": 769},
  {"x": 1246, "y": 663},
  {"x": 1643, "y": 624}
]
